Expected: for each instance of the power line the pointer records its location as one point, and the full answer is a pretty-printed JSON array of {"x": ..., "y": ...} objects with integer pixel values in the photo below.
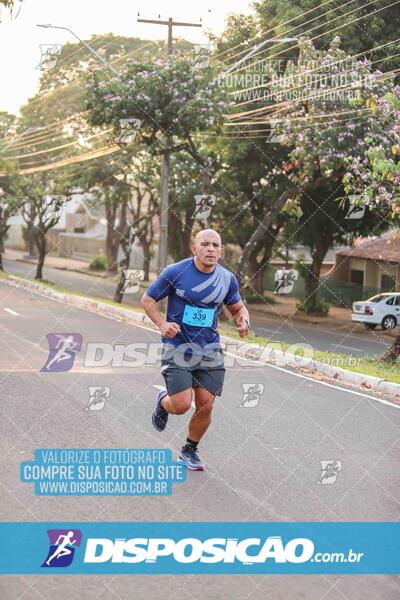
[
  {"x": 302, "y": 74},
  {"x": 273, "y": 28},
  {"x": 326, "y": 32},
  {"x": 336, "y": 62}
]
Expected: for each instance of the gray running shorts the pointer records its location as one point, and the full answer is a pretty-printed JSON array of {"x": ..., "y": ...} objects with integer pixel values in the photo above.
[{"x": 181, "y": 372}]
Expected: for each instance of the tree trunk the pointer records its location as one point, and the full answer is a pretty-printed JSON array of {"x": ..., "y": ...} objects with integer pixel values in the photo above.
[
  {"x": 31, "y": 240},
  {"x": 256, "y": 275},
  {"x": 112, "y": 245},
  {"x": 119, "y": 294},
  {"x": 2, "y": 235},
  {"x": 394, "y": 351},
  {"x": 259, "y": 233},
  {"x": 40, "y": 240},
  {"x": 313, "y": 274},
  {"x": 146, "y": 259},
  {"x": 126, "y": 240}
]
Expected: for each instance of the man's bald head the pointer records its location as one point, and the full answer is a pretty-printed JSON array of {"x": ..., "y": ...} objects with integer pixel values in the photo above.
[
  {"x": 205, "y": 234},
  {"x": 207, "y": 249}
]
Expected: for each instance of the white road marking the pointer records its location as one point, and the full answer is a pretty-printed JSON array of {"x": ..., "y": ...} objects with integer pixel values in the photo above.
[
  {"x": 335, "y": 387},
  {"x": 12, "y": 312},
  {"x": 347, "y": 347}
]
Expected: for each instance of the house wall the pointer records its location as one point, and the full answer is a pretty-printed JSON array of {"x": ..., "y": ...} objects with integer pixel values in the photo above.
[
  {"x": 387, "y": 269},
  {"x": 79, "y": 247},
  {"x": 14, "y": 238},
  {"x": 371, "y": 269}
]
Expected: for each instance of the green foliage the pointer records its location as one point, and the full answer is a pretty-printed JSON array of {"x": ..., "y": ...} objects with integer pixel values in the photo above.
[
  {"x": 359, "y": 28},
  {"x": 98, "y": 262},
  {"x": 374, "y": 175},
  {"x": 308, "y": 306},
  {"x": 171, "y": 98},
  {"x": 252, "y": 298}
]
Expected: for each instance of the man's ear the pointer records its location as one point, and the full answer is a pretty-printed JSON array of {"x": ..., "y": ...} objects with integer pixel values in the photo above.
[{"x": 193, "y": 247}]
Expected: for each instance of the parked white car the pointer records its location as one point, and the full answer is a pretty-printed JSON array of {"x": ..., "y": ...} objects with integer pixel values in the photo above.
[{"x": 382, "y": 309}]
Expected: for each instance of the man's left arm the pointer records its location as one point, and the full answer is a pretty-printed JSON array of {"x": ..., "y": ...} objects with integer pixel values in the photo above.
[{"x": 240, "y": 316}]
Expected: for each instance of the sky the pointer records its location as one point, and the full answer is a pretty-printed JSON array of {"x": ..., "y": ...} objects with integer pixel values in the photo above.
[{"x": 20, "y": 38}]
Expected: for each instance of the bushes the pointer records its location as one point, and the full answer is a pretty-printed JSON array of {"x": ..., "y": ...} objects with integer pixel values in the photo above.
[
  {"x": 98, "y": 262},
  {"x": 253, "y": 298},
  {"x": 321, "y": 307}
]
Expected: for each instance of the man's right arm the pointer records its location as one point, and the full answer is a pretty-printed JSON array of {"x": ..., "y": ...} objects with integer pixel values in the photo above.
[{"x": 167, "y": 329}]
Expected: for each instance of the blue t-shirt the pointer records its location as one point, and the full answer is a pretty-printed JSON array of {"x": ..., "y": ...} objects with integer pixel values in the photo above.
[{"x": 194, "y": 299}]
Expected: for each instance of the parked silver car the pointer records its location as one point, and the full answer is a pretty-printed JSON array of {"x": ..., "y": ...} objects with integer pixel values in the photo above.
[{"x": 382, "y": 309}]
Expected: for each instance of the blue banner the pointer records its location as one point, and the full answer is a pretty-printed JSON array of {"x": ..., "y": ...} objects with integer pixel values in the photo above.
[{"x": 200, "y": 548}]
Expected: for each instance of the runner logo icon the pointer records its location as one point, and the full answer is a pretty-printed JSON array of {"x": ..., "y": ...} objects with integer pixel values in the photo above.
[
  {"x": 62, "y": 348},
  {"x": 63, "y": 543}
]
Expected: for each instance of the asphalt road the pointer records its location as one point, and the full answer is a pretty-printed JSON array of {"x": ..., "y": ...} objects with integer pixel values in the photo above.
[
  {"x": 263, "y": 463},
  {"x": 371, "y": 343}
]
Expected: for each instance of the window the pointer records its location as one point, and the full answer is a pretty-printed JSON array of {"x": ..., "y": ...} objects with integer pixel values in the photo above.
[
  {"x": 397, "y": 300},
  {"x": 356, "y": 276},
  {"x": 390, "y": 301},
  {"x": 388, "y": 282}
]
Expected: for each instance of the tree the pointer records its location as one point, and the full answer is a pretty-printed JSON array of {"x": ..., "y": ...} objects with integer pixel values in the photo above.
[
  {"x": 323, "y": 126},
  {"x": 140, "y": 205},
  {"x": 9, "y": 204},
  {"x": 171, "y": 99},
  {"x": 374, "y": 176},
  {"x": 45, "y": 196},
  {"x": 362, "y": 26}
]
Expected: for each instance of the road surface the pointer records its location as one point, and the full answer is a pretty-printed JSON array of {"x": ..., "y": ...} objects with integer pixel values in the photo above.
[
  {"x": 371, "y": 343},
  {"x": 263, "y": 462}
]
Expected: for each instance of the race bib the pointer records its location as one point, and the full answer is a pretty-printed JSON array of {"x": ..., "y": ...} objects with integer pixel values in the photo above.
[{"x": 200, "y": 317}]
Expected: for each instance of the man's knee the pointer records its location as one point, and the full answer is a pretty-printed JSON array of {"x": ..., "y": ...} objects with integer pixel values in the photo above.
[
  {"x": 181, "y": 402},
  {"x": 204, "y": 403},
  {"x": 204, "y": 411}
]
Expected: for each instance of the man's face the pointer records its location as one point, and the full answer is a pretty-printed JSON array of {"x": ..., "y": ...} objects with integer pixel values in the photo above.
[{"x": 208, "y": 249}]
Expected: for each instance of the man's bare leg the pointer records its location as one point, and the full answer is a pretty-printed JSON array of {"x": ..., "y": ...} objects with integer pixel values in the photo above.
[
  {"x": 178, "y": 404},
  {"x": 201, "y": 418}
]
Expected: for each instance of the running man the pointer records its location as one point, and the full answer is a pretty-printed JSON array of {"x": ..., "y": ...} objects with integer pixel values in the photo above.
[
  {"x": 62, "y": 542},
  {"x": 63, "y": 345},
  {"x": 192, "y": 357}
]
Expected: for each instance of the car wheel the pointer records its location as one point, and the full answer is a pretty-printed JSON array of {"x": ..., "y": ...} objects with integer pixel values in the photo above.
[
  {"x": 389, "y": 322},
  {"x": 370, "y": 325}
]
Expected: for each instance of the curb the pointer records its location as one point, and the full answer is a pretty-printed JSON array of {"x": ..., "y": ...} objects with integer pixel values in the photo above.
[
  {"x": 248, "y": 351},
  {"x": 92, "y": 274}
]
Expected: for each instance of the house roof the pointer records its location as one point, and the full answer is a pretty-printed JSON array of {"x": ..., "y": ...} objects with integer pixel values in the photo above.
[{"x": 385, "y": 248}]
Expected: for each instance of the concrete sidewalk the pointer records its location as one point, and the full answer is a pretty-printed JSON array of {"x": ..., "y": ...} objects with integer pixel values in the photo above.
[
  {"x": 56, "y": 262},
  {"x": 285, "y": 307}
]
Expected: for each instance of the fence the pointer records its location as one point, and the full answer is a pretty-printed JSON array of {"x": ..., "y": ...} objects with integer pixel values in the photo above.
[{"x": 338, "y": 293}]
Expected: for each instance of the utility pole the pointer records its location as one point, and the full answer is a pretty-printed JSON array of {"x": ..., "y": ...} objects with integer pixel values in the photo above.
[{"x": 163, "y": 251}]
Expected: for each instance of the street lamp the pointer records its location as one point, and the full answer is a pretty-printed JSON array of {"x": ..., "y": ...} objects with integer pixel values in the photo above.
[{"x": 48, "y": 26}]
